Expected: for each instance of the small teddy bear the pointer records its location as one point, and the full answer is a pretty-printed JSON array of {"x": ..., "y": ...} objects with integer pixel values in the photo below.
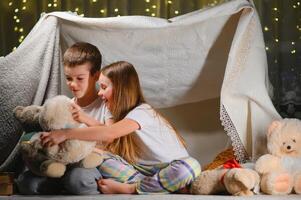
[
  {"x": 280, "y": 170},
  {"x": 51, "y": 161},
  {"x": 229, "y": 177}
]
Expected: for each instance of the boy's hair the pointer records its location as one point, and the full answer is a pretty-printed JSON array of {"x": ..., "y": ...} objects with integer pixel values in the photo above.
[
  {"x": 82, "y": 52},
  {"x": 127, "y": 95}
]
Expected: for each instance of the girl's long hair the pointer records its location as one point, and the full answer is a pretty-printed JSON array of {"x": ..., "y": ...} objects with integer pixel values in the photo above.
[{"x": 127, "y": 95}]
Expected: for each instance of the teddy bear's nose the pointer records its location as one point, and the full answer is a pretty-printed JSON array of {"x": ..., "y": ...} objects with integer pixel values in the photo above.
[{"x": 288, "y": 147}]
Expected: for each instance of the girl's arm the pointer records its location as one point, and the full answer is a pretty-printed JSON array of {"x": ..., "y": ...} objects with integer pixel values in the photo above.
[{"x": 96, "y": 133}]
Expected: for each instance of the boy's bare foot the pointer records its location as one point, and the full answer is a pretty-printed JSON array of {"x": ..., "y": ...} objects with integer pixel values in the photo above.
[{"x": 109, "y": 186}]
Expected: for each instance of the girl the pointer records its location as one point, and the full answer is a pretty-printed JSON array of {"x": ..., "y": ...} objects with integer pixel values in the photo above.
[{"x": 146, "y": 154}]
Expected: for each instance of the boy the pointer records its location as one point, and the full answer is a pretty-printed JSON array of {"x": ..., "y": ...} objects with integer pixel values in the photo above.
[{"x": 82, "y": 62}]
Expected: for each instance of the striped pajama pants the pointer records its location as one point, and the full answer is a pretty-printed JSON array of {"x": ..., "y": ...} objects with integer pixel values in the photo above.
[{"x": 160, "y": 178}]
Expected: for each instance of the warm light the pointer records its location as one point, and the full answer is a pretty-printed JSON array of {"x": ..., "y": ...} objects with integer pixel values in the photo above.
[
  {"x": 14, "y": 48},
  {"x": 266, "y": 28},
  {"x": 21, "y": 30},
  {"x": 116, "y": 9},
  {"x": 16, "y": 10},
  {"x": 54, "y": 5},
  {"x": 10, "y": 3},
  {"x": 102, "y": 11},
  {"x": 49, "y": 5},
  {"x": 147, "y": 1},
  {"x": 17, "y": 20},
  {"x": 294, "y": 6},
  {"x": 267, "y": 48},
  {"x": 24, "y": 1},
  {"x": 275, "y": 9},
  {"x": 298, "y": 3},
  {"x": 153, "y": 14},
  {"x": 276, "y": 40},
  {"x": 15, "y": 17},
  {"x": 94, "y": 1},
  {"x": 154, "y": 6},
  {"x": 76, "y": 9},
  {"x": 176, "y": 12},
  {"x": 147, "y": 10},
  {"x": 118, "y": 15},
  {"x": 276, "y": 19},
  {"x": 16, "y": 28},
  {"x": 82, "y": 15},
  {"x": 293, "y": 43},
  {"x": 170, "y": 2},
  {"x": 293, "y": 51},
  {"x": 24, "y": 8}
]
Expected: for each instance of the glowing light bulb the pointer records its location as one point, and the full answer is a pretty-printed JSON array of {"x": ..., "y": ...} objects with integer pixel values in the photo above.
[
  {"x": 176, "y": 12},
  {"x": 293, "y": 43},
  {"x": 267, "y": 48},
  {"x": 102, "y": 11},
  {"x": 276, "y": 40},
  {"x": 49, "y": 5},
  {"x": 147, "y": 1},
  {"x": 276, "y": 19},
  {"x": 16, "y": 10},
  {"x": 24, "y": 8},
  {"x": 266, "y": 28},
  {"x": 10, "y": 3},
  {"x": 147, "y": 10},
  {"x": 116, "y": 9},
  {"x": 21, "y": 30},
  {"x": 170, "y": 2},
  {"x": 293, "y": 51},
  {"x": 275, "y": 9},
  {"x": 154, "y": 6},
  {"x": 153, "y": 14}
]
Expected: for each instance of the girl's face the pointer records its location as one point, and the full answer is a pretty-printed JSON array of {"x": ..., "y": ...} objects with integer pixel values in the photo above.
[
  {"x": 105, "y": 89},
  {"x": 79, "y": 80}
]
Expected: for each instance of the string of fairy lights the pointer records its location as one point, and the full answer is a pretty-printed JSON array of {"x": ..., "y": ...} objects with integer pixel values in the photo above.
[{"x": 151, "y": 9}]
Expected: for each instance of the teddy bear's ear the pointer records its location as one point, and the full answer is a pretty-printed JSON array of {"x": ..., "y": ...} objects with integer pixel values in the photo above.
[{"x": 275, "y": 124}]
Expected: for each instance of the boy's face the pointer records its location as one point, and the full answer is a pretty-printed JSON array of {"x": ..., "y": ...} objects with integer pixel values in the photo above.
[{"x": 79, "y": 80}]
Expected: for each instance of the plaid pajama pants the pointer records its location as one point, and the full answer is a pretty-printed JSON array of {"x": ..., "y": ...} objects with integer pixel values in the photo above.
[{"x": 160, "y": 178}]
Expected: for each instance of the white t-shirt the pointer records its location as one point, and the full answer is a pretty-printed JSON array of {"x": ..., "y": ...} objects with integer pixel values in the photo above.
[
  {"x": 157, "y": 140},
  {"x": 97, "y": 110}
]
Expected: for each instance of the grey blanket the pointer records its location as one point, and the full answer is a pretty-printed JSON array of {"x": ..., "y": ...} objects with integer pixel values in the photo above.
[{"x": 26, "y": 81}]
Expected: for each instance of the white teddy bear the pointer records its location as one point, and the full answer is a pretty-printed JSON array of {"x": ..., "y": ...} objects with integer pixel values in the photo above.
[
  {"x": 51, "y": 161},
  {"x": 280, "y": 170}
]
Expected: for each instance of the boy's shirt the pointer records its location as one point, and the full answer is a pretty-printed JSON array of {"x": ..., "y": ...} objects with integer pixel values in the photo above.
[{"x": 97, "y": 110}]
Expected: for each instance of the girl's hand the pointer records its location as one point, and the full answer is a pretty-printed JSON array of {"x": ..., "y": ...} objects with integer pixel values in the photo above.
[
  {"x": 49, "y": 139},
  {"x": 77, "y": 113}
]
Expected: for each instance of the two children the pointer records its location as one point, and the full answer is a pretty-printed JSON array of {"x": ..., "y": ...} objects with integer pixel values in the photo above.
[{"x": 146, "y": 155}]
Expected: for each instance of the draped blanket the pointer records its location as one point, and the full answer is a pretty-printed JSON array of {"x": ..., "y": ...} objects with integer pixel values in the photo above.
[{"x": 209, "y": 53}]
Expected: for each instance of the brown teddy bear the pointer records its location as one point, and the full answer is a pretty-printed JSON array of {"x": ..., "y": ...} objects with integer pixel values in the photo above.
[
  {"x": 280, "y": 170},
  {"x": 51, "y": 161},
  {"x": 227, "y": 178}
]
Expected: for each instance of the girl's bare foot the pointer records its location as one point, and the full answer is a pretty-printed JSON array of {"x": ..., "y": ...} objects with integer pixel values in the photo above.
[{"x": 109, "y": 186}]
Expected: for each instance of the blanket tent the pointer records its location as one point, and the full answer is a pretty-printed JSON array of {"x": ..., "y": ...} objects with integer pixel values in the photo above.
[{"x": 206, "y": 71}]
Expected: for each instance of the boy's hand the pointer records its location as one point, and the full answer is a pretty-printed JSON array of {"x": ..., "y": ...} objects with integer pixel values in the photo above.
[
  {"x": 77, "y": 113},
  {"x": 49, "y": 139}
]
